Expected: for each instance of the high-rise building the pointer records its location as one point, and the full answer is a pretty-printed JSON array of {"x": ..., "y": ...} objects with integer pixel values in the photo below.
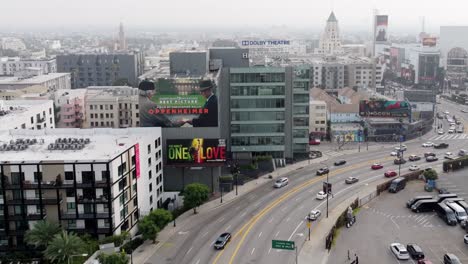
[
  {"x": 330, "y": 42},
  {"x": 90, "y": 181},
  {"x": 102, "y": 69},
  {"x": 122, "y": 40}
]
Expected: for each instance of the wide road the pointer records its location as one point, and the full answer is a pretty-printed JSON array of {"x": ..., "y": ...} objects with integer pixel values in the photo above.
[{"x": 267, "y": 213}]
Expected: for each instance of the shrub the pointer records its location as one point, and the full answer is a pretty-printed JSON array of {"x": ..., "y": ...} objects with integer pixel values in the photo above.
[
  {"x": 116, "y": 239},
  {"x": 227, "y": 178},
  {"x": 263, "y": 158},
  {"x": 133, "y": 244}
]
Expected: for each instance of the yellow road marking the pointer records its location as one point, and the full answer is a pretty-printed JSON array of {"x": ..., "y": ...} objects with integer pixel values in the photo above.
[{"x": 265, "y": 210}]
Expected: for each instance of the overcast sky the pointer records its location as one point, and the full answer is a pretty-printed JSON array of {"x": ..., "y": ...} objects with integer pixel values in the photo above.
[{"x": 352, "y": 14}]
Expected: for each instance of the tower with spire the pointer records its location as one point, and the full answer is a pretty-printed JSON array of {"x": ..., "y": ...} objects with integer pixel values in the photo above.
[
  {"x": 122, "y": 40},
  {"x": 330, "y": 41}
]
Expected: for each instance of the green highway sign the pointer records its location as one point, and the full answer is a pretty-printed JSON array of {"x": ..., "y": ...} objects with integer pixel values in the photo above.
[{"x": 282, "y": 244}]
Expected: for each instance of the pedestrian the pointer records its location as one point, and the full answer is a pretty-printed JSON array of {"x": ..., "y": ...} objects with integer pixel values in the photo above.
[
  {"x": 357, "y": 259},
  {"x": 349, "y": 258}
]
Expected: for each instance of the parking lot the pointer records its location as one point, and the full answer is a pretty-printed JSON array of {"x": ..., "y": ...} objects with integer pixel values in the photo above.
[
  {"x": 386, "y": 220},
  {"x": 455, "y": 182}
]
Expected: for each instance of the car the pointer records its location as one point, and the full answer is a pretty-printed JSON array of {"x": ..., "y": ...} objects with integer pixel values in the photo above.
[
  {"x": 427, "y": 144},
  {"x": 401, "y": 148},
  {"x": 399, "y": 161},
  {"x": 321, "y": 195},
  {"x": 441, "y": 146},
  {"x": 414, "y": 168},
  {"x": 376, "y": 166},
  {"x": 440, "y": 132},
  {"x": 393, "y": 153},
  {"x": 340, "y": 162},
  {"x": 464, "y": 111},
  {"x": 415, "y": 251},
  {"x": 450, "y": 258},
  {"x": 315, "y": 141},
  {"x": 427, "y": 154},
  {"x": 222, "y": 240},
  {"x": 460, "y": 130},
  {"x": 465, "y": 238},
  {"x": 431, "y": 158},
  {"x": 447, "y": 112},
  {"x": 322, "y": 171},
  {"x": 451, "y": 130},
  {"x": 424, "y": 261},
  {"x": 449, "y": 155},
  {"x": 283, "y": 181},
  {"x": 399, "y": 251},
  {"x": 314, "y": 215},
  {"x": 351, "y": 180},
  {"x": 463, "y": 224},
  {"x": 443, "y": 191},
  {"x": 414, "y": 158},
  {"x": 390, "y": 174}
]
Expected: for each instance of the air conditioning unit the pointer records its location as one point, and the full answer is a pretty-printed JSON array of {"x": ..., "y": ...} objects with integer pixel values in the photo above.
[
  {"x": 80, "y": 146},
  {"x": 87, "y": 141},
  {"x": 58, "y": 140},
  {"x": 27, "y": 141},
  {"x": 51, "y": 146},
  {"x": 33, "y": 141},
  {"x": 81, "y": 141},
  {"x": 23, "y": 146}
]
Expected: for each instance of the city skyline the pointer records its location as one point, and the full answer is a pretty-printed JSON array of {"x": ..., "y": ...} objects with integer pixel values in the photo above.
[{"x": 209, "y": 14}]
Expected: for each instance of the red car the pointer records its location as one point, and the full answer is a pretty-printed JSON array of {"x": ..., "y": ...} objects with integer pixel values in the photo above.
[
  {"x": 424, "y": 261},
  {"x": 314, "y": 141},
  {"x": 376, "y": 166},
  {"x": 389, "y": 174}
]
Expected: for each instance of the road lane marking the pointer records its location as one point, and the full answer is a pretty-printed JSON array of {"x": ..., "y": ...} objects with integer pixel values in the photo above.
[
  {"x": 220, "y": 220},
  {"x": 243, "y": 214},
  {"x": 253, "y": 250},
  {"x": 259, "y": 235},
  {"x": 256, "y": 204},
  {"x": 198, "y": 261},
  {"x": 398, "y": 227},
  {"x": 287, "y": 219},
  {"x": 297, "y": 199},
  {"x": 269, "y": 251},
  {"x": 297, "y": 227},
  {"x": 188, "y": 251},
  {"x": 206, "y": 233},
  {"x": 277, "y": 233},
  {"x": 245, "y": 229},
  {"x": 227, "y": 228},
  {"x": 460, "y": 251}
]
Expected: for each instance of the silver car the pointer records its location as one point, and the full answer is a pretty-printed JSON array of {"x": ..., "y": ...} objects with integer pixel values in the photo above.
[{"x": 283, "y": 181}]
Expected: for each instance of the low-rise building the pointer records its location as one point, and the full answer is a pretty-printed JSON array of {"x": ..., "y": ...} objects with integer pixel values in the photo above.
[
  {"x": 27, "y": 114},
  {"x": 89, "y": 181},
  {"x": 52, "y": 81},
  {"x": 318, "y": 118},
  {"x": 345, "y": 113},
  {"x": 71, "y": 108},
  {"x": 30, "y": 92},
  {"x": 12, "y": 65},
  {"x": 346, "y": 132}
]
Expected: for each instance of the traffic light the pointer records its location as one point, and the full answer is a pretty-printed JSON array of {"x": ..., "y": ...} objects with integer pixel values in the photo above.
[{"x": 327, "y": 187}]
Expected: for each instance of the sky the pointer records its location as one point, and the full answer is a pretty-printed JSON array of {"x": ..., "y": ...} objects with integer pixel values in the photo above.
[{"x": 405, "y": 15}]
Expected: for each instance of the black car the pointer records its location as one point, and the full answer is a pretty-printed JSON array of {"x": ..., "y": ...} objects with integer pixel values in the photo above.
[
  {"x": 451, "y": 259},
  {"x": 431, "y": 158},
  {"x": 427, "y": 154},
  {"x": 415, "y": 251},
  {"x": 441, "y": 146},
  {"x": 322, "y": 171},
  {"x": 399, "y": 161},
  {"x": 222, "y": 240},
  {"x": 443, "y": 191},
  {"x": 340, "y": 162}
]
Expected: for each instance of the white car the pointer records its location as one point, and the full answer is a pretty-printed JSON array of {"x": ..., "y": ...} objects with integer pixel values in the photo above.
[
  {"x": 313, "y": 215},
  {"x": 440, "y": 132},
  {"x": 447, "y": 113},
  {"x": 321, "y": 195},
  {"x": 414, "y": 168},
  {"x": 465, "y": 239},
  {"x": 427, "y": 144},
  {"x": 399, "y": 251},
  {"x": 283, "y": 181},
  {"x": 402, "y": 148},
  {"x": 393, "y": 153}
]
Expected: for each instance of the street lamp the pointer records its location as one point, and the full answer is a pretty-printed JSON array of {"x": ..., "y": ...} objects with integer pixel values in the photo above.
[
  {"x": 78, "y": 255},
  {"x": 328, "y": 184}
]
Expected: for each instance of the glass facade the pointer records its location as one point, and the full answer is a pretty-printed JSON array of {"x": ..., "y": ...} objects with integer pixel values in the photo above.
[
  {"x": 301, "y": 86},
  {"x": 258, "y": 110}
]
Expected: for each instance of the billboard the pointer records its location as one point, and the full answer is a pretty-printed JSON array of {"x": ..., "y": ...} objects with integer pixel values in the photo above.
[
  {"x": 178, "y": 102},
  {"x": 429, "y": 41},
  {"x": 381, "y": 25},
  {"x": 384, "y": 108},
  {"x": 196, "y": 152},
  {"x": 137, "y": 160}
]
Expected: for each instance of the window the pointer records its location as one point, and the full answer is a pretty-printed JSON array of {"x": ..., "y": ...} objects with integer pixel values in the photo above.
[
  {"x": 122, "y": 184},
  {"x": 50, "y": 111},
  {"x": 69, "y": 176},
  {"x": 102, "y": 115},
  {"x": 135, "y": 202},
  {"x": 107, "y": 115},
  {"x": 150, "y": 174},
  {"x": 51, "y": 120},
  {"x": 150, "y": 187},
  {"x": 32, "y": 120},
  {"x": 71, "y": 206},
  {"x": 151, "y": 199},
  {"x": 91, "y": 107},
  {"x": 70, "y": 192},
  {"x": 111, "y": 107},
  {"x": 71, "y": 223},
  {"x": 149, "y": 148},
  {"x": 92, "y": 115},
  {"x": 149, "y": 161},
  {"x": 136, "y": 106},
  {"x": 134, "y": 188},
  {"x": 112, "y": 115},
  {"x": 100, "y": 107}
]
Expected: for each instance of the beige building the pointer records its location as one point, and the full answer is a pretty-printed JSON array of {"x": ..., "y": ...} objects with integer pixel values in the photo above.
[
  {"x": 111, "y": 106},
  {"x": 318, "y": 118},
  {"x": 30, "y": 92}
]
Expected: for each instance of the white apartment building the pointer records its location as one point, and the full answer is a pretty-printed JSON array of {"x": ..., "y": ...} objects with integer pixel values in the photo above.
[
  {"x": 318, "y": 117},
  {"x": 111, "y": 106},
  {"x": 94, "y": 181},
  {"x": 27, "y": 114},
  {"x": 12, "y": 65},
  {"x": 52, "y": 81}
]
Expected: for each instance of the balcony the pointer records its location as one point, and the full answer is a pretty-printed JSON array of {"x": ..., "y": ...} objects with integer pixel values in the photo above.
[
  {"x": 100, "y": 199},
  {"x": 83, "y": 215},
  {"x": 87, "y": 184},
  {"x": 41, "y": 120},
  {"x": 101, "y": 184},
  {"x": 33, "y": 200},
  {"x": 29, "y": 216},
  {"x": 35, "y": 185}
]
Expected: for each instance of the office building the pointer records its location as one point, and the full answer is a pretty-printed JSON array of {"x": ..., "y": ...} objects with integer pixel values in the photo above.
[
  {"x": 13, "y": 65},
  {"x": 188, "y": 63},
  {"x": 330, "y": 42},
  {"x": 115, "y": 107},
  {"x": 228, "y": 57},
  {"x": 89, "y": 181},
  {"x": 27, "y": 114},
  {"x": 122, "y": 39},
  {"x": 51, "y": 81},
  {"x": 102, "y": 69}
]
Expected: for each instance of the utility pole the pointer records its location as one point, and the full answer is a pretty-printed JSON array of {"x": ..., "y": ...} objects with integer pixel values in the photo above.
[{"x": 328, "y": 192}]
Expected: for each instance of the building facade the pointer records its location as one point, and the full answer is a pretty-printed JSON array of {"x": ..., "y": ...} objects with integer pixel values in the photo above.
[
  {"x": 318, "y": 118},
  {"x": 51, "y": 81},
  {"x": 102, "y": 69},
  {"x": 71, "y": 108},
  {"x": 27, "y": 114},
  {"x": 97, "y": 181},
  {"x": 188, "y": 63},
  {"x": 330, "y": 42},
  {"x": 12, "y": 65},
  {"x": 115, "y": 107}
]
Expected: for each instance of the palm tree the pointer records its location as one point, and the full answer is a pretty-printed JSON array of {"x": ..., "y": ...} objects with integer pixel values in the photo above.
[
  {"x": 63, "y": 246},
  {"x": 42, "y": 233}
]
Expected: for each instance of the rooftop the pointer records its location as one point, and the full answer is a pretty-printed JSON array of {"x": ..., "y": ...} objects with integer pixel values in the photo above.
[
  {"x": 32, "y": 80},
  {"x": 94, "y": 92},
  {"x": 104, "y": 143},
  {"x": 11, "y": 109}
]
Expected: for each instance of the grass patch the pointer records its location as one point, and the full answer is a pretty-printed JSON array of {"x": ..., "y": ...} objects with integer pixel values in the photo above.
[
  {"x": 336, "y": 233},
  {"x": 356, "y": 210}
]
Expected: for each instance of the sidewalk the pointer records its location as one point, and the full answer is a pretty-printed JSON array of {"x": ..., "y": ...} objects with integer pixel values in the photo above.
[
  {"x": 313, "y": 251},
  {"x": 145, "y": 251}
]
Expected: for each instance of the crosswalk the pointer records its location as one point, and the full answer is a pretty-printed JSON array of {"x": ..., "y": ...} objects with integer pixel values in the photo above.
[{"x": 449, "y": 137}]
